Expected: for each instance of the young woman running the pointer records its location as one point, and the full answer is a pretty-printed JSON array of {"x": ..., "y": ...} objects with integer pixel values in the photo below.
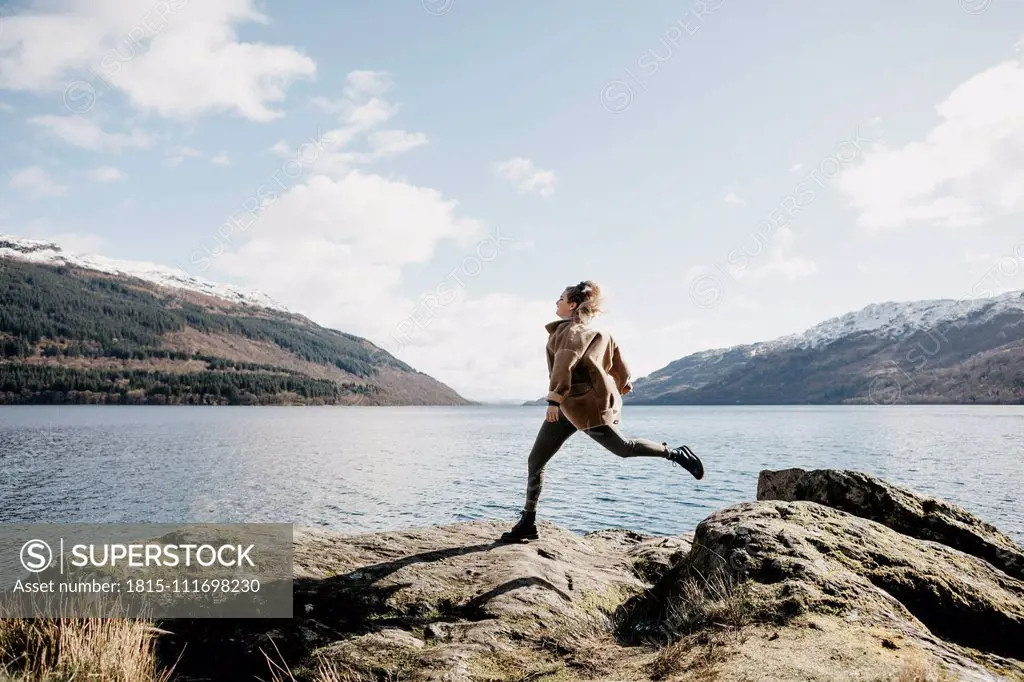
[{"x": 588, "y": 378}]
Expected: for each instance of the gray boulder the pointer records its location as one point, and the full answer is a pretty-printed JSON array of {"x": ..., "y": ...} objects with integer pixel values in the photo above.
[{"x": 905, "y": 511}]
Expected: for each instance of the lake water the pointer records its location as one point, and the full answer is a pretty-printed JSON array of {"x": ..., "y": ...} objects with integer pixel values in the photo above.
[{"x": 372, "y": 468}]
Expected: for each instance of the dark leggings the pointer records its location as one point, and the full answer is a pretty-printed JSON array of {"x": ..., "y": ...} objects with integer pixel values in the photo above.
[{"x": 553, "y": 434}]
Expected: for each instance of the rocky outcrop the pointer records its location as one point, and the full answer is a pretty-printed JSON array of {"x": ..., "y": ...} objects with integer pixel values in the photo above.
[
  {"x": 437, "y": 603},
  {"x": 801, "y": 558},
  {"x": 765, "y": 590},
  {"x": 918, "y": 516}
]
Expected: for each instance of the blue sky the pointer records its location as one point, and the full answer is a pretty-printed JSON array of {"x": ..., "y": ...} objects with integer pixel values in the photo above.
[{"x": 640, "y": 145}]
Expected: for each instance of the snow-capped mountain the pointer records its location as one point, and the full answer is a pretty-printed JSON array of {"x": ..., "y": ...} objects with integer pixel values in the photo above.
[
  {"x": 79, "y": 329},
  {"x": 51, "y": 253},
  {"x": 895, "y": 319},
  {"x": 944, "y": 350}
]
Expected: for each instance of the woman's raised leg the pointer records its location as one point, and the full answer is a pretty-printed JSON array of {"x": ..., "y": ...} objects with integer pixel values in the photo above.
[{"x": 613, "y": 441}]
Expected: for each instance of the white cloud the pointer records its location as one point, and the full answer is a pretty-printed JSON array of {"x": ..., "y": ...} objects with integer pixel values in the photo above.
[
  {"x": 336, "y": 249},
  {"x": 7, "y": 108},
  {"x": 361, "y": 102},
  {"x": 340, "y": 159},
  {"x": 36, "y": 183},
  {"x": 364, "y": 116},
  {"x": 486, "y": 346},
  {"x": 80, "y": 131},
  {"x": 179, "y": 59},
  {"x": 280, "y": 148},
  {"x": 326, "y": 105},
  {"x": 362, "y": 83},
  {"x": 796, "y": 167},
  {"x": 221, "y": 159},
  {"x": 968, "y": 169},
  {"x": 178, "y": 154},
  {"x": 391, "y": 142},
  {"x": 364, "y": 219},
  {"x": 106, "y": 174},
  {"x": 779, "y": 261},
  {"x": 741, "y": 302},
  {"x": 734, "y": 199},
  {"x": 371, "y": 114},
  {"x": 526, "y": 178},
  {"x": 360, "y": 112}
]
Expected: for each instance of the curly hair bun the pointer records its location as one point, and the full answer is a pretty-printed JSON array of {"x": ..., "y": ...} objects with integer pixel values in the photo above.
[{"x": 587, "y": 297}]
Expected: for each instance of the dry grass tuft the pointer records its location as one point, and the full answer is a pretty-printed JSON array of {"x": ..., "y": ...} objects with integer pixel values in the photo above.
[
  {"x": 713, "y": 602},
  {"x": 695, "y": 655},
  {"x": 701, "y": 622},
  {"x": 339, "y": 672},
  {"x": 325, "y": 671},
  {"x": 62, "y": 650}
]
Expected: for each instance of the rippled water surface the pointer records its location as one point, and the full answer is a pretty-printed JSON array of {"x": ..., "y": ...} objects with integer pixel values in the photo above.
[{"x": 369, "y": 468}]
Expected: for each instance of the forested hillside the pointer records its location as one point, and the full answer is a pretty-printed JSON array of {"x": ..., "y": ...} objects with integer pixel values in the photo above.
[{"x": 74, "y": 335}]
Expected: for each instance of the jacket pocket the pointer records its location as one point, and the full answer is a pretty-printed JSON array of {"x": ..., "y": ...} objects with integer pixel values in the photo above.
[{"x": 580, "y": 389}]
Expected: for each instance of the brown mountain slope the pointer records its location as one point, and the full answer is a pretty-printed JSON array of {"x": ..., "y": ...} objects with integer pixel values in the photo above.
[{"x": 69, "y": 334}]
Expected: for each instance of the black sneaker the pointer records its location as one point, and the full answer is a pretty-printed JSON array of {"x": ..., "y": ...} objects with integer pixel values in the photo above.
[
  {"x": 684, "y": 457},
  {"x": 526, "y": 529}
]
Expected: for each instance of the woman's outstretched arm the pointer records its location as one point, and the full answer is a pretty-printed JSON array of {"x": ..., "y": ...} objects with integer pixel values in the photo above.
[{"x": 620, "y": 371}]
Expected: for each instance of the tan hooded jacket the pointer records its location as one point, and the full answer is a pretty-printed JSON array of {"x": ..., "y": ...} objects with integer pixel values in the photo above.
[{"x": 588, "y": 376}]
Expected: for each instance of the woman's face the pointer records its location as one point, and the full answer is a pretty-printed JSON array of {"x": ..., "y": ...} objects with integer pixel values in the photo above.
[{"x": 563, "y": 308}]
